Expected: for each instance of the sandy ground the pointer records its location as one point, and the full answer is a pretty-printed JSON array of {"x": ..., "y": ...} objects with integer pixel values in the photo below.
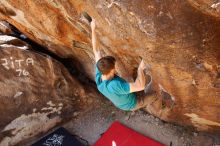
[{"x": 96, "y": 121}]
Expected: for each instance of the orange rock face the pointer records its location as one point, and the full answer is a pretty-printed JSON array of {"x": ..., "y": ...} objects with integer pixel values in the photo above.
[{"x": 180, "y": 40}]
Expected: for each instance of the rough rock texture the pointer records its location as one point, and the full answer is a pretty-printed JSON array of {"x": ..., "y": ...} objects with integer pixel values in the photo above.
[
  {"x": 5, "y": 28},
  {"x": 36, "y": 92},
  {"x": 179, "y": 39}
]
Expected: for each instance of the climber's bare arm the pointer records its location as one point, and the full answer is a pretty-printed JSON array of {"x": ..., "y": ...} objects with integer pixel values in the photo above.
[
  {"x": 96, "y": 51},
  {"x": 140, "y": 81}
]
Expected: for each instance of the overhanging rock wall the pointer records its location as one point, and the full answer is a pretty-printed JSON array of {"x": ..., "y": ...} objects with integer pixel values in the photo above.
[{"x": 179, "y": 39}]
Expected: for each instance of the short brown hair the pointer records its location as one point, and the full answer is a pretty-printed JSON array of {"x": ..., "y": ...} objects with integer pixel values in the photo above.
[{"x": 106, "y": 64}]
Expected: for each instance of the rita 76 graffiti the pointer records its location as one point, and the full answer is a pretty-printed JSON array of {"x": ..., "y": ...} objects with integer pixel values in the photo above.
[{"x": 17, "y": 64}]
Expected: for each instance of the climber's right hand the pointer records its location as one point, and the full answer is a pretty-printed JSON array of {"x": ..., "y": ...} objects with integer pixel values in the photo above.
[
  {"x": 93, "y": 24},
  {"x": 142, "y": 65}
]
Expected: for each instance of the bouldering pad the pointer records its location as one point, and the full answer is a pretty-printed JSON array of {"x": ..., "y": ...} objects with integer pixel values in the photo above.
[
  {"x": 119, "y": 135},
  {"x": 60, "y": 137}
]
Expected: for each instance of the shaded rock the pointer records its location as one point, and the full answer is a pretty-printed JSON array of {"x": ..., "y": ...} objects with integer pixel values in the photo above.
[
  {"x": 5, "y": 28},
  {"x": 12, "y": 42},
  {"x": 179, "y": 39},
  {"x": 36, "y": 92}
]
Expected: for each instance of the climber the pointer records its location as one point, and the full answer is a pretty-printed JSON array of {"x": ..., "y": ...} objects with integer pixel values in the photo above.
[{"x": 115, "y": 88}]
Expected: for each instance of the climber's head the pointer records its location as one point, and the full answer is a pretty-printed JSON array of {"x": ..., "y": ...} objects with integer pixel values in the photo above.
[{"x": 106, "y": 65}]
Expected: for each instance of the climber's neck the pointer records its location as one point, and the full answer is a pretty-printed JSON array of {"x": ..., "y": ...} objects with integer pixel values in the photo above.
[{"x": 108, "y": 76}]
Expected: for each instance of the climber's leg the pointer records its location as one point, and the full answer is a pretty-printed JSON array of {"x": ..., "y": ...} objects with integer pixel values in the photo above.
[{"x": 143, "y": 101}]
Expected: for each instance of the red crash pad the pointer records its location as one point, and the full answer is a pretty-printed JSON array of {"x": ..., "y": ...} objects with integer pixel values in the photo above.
[{"x": 119, "y": 135}]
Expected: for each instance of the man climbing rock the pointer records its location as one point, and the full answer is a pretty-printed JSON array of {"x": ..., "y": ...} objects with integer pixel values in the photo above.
[{"x": 115, "y": 88}]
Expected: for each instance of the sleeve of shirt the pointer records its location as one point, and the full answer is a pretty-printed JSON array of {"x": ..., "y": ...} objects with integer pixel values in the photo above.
[
  {"x": 97, "y": 75},
  {"x": 123, "y": 87}
]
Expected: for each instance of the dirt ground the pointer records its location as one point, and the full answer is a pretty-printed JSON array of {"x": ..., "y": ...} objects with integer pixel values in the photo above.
[{"x": 96, "y": 121}]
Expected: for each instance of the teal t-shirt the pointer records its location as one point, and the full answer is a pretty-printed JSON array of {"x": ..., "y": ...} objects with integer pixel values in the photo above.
[{"x": 117, "y": 90}]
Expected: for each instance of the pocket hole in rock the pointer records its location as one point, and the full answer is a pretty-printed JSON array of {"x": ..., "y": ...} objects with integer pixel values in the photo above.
[
  {"x": 86, "y": 17},
  {"x": 167, "y": 99}
]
